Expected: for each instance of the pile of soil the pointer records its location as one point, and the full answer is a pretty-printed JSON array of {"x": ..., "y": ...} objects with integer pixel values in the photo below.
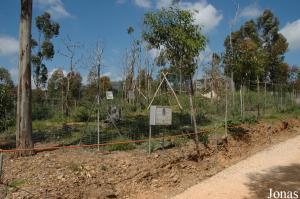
[{"x": 134, "y": 174}]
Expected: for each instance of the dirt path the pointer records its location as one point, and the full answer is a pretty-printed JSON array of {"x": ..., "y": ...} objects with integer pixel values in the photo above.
[{"x": 277, "y": 167}]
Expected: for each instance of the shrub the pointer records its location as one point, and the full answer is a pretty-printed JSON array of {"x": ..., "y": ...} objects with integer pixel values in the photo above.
[
  {"x": 40, "y": 112},
  {"x": 80, "y": 114}
]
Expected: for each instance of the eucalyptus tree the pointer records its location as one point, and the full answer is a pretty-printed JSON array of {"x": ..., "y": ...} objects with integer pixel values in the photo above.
[
  {"x": 7, "y": 99},
  {"x": 43, "y": 48},
  {"x": 24, "y": 118},
  {"x": 182, "y": 42},
  {"x": 256, "y": 51}
]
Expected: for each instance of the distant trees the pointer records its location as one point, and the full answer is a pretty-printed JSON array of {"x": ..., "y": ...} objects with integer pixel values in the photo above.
[
  {"x": 43, "y": 48},
  {"x": 7, "y": 99},
  {"x": 58, "y": 85},
  {"x": 91, "y": 88},
  {"x": 257, "y": 50}
]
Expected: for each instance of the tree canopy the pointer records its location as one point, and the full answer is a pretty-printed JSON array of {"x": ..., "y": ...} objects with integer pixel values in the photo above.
[
  {"x": 174, "y": 33},
  {"x": 257, "y": 50},
  {"x": 43, "y": 47}
]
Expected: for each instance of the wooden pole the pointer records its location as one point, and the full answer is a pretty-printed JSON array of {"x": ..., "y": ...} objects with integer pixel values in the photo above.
[
  {"x": 258, "y": 97},
  {"x": 265, "y": 100},
  {"x": 226, "y": 109},
  {"x": 150, "y": 139},
  {"x": 241, "y": 100},
  {"x": 1, "y": 166},
  {"x": 233, "y": 90}
]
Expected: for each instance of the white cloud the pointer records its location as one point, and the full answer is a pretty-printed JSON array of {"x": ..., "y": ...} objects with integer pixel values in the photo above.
[
  {"x": 143, "y": 3},
  {"x": 205, "y": 15},
  {"x": 8, "y": 45},
  {"x": 14, "y": 73},
  {"x": 54, "y": 7},
  {"x": 163, "y": 3},
  {"x": 205, "y": 56},
  {"x": 291, "y": 31},
  {"x": 154, "y": 52},
  {"x": 251, "y": 11}
]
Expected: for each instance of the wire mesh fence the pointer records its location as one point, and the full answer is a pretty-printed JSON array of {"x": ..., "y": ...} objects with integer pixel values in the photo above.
[{"x": 218, "y": 106}]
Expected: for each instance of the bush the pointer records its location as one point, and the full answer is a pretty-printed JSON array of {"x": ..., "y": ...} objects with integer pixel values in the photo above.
[
  {"x": 40, "y": 112},
  {"x": 80, "y": 114}
]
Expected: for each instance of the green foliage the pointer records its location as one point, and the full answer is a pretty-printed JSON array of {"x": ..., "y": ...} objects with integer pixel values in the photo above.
[
  {"x": 182, "y": 41},
  {"x": 181, "y": 141},
  {"x": 204, "y": 138},
  {"x": 7, "y": 98},
  {"x": 17, "y": 183},
  {"x": 56, "y": 84},
  {"x": 75, "y": 85},
  {"x": 80, "y": 114},
  {"x": 41, "y": 112},
  {"x": 121, "y": 146},
  {"x": 44, "y": 49},
  {"x": 257, "y": 49}
]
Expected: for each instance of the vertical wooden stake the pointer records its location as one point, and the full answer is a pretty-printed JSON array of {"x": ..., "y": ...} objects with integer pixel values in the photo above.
[
  {"x": 241, "y": 101},
  {"x": 1, "y": 165},
  {"x": 226, "y": 109},
  {"x": 258, "y": 97},
  {"x": 265, "y": 100},
  {"x": 150, "y": 139}
]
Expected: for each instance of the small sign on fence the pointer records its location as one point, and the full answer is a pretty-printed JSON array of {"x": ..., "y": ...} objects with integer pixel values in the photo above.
[
  {"x": 160, "y": 115},
  {"x": 109, "y": 95}
]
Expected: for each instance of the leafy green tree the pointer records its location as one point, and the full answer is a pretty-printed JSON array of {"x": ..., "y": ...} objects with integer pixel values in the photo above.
[
  {"x": 43, "y": 48},
  {"x": 175, "y": 30},
  {"x": 7, "y": 99},
  {"x": 75, "y": 82},
  {"x": 56, "y": 84},
  {"x": 91, "y": 88},
  {"x": 256, "y": 50},
  {"x": 274, "y": 44}
]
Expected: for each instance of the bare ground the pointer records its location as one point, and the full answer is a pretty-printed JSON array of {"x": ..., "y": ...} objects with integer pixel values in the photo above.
[
  {"x": 134, "y": 174},
  {"x": 276, "y": 168}
]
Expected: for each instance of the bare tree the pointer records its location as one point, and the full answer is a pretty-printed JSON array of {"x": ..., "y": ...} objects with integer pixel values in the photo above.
[
  {"x": 69, "y": 53},
  {"x": 24, "y": 120}
]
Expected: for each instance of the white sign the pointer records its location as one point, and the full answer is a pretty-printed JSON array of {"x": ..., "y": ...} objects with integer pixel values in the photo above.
[
  {"x": 109, "y": 95},
  {"x": 160, "y": 115},
  {"x": 131, "y": 95}
]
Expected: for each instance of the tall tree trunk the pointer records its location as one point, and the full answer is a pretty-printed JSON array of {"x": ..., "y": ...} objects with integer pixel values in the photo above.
[{"x": 23, "y": 120}]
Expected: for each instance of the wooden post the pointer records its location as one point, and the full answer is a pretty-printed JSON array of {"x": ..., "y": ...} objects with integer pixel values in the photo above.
[
  {"x": 150, "y": 138},
  {"x": 281, "y": 100},
  {"x": 265, "y": 100},
  {"x": 258, "y": 97},
  {"x": 1, "y": 166},
  {"x": 226, "y": 109},
  {"x": 232, "y": 89},
  {"x": 241, "y": 100}
]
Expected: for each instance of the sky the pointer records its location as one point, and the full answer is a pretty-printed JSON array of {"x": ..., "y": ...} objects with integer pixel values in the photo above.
[{"x": 89, "y": 21}]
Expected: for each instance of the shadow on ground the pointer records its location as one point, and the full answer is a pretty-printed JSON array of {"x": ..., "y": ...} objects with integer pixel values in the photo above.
[{"x": 282, "y": 178}]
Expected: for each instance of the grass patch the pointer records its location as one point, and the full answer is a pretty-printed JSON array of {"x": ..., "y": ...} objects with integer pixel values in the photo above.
[
  {"x": 17, "y": 183},
  {"x": 123, "y": 146}
]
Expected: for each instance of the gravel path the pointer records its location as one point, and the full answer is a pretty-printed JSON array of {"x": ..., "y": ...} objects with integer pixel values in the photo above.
[{"x": 277, "y": 167}]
